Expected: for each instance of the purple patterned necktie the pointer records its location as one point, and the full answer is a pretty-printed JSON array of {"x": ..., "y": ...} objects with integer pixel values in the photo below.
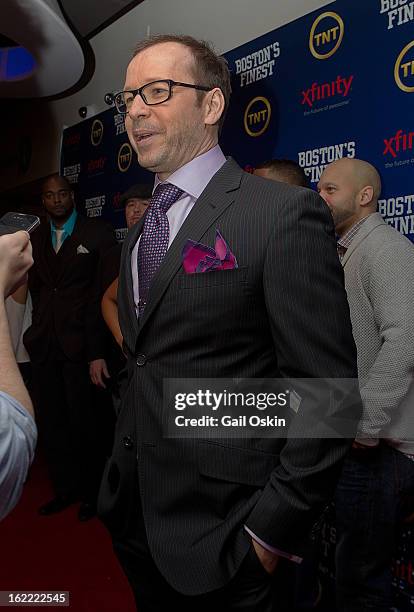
[{"x": 155, "y": 237}]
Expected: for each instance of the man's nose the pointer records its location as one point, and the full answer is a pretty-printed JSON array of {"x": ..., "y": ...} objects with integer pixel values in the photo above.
[{"x": 138, "y": 108}]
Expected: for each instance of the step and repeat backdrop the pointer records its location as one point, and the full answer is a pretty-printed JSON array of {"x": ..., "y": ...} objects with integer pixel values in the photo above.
[
  {"x": 99, "y": 162},
  {"x": 338, "y": 82}
]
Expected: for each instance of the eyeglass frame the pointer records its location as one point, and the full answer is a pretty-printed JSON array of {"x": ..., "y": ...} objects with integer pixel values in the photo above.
[{"x": 171, "y": 83}]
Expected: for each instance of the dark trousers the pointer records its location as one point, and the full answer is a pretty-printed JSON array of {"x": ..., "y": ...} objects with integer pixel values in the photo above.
[
  {"x": 376, "y": 489},
  {"x": 68, "y": 421},
  {"x": 251, "y": 589}
]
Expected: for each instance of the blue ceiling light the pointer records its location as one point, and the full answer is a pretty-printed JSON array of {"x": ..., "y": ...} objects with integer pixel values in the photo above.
[
  {"x": 40, "y": 55},
  {"x": 16, "y": 63}
]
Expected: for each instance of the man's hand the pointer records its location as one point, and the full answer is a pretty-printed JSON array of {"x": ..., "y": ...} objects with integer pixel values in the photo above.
[
  {"x": 97, "y": 371},
  {"x": 15, "y": 260},
  {"x": 268, "y": 559}
]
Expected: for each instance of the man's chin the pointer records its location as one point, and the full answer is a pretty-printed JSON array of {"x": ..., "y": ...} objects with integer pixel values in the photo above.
[
  {"x": 147, "y": 162},
  {"x": 158, "y": 165}
]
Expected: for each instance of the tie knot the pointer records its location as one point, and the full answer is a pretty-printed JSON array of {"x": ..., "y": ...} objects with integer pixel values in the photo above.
[{"x": 165, "y": 195}]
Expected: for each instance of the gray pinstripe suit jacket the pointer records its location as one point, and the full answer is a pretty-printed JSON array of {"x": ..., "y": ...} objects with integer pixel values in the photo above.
[{"x": 282, "y": 312}]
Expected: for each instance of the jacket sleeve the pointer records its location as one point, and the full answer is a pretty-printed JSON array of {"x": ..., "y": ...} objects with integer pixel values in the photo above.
[
  {"x": 95, "y": 325},
  {"x": 389, "y": 286},
  {"x": 309, "y": 316}
]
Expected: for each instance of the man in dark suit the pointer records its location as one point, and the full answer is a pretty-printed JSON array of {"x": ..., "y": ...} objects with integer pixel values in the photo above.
[
  {"x": 65, "y": 336},
  {"x": 202, "y": 523}
]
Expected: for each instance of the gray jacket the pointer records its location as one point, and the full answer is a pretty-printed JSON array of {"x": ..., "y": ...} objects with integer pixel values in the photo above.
[{"x": 379, "y": 280}]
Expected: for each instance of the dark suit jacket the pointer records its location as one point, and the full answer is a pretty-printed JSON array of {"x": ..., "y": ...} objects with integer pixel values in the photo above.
[
  {"x": 282, "y": 312},
  {"x": 65, "y": 292}
]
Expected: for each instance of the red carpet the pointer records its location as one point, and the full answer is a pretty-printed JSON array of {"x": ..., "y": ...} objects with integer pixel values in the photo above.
[{"x": 58, "y": 553}]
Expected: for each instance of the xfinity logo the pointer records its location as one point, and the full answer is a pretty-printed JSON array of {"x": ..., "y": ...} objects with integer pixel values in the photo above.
[
  {"x": 340, "y": 87},
  {"x": 399, "y": 142}
]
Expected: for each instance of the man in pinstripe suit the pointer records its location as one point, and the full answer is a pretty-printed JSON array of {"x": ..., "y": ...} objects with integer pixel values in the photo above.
[{"x": 201, "y": 524}]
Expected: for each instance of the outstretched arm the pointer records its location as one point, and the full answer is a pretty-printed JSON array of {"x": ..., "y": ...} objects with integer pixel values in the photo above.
[
  {"x": 109, "y": 306},
  {"x": 17, "y": 429}
]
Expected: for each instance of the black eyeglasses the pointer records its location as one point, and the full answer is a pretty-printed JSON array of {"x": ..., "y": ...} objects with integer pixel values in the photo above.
[{"x": 153, "y": 93}]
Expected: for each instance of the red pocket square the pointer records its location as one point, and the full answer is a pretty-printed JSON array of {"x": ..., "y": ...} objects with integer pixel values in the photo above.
[{"x": 198, "y": 257}]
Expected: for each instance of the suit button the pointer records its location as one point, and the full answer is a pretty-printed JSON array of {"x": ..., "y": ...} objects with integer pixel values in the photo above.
[
  {"x": 141, "y": 360},
  {"x": 128, "y": 442}
]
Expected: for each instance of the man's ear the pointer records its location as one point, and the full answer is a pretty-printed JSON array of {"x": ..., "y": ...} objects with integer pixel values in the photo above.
[
  {"x": 214, "y": 106},
  {"x": 366, "y": 195}
]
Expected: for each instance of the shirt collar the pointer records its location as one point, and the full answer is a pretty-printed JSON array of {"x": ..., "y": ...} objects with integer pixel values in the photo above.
[
  {"x": 346, "y": 240},
  {"x": 68, "y": 226},
  {"x": 194, "y": 176}
]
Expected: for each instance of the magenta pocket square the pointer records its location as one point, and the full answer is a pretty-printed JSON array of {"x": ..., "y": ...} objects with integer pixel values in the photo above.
[{"x": 198, "y": 257}]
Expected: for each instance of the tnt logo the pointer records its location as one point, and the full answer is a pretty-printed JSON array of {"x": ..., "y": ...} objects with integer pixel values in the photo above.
[
  {"x": 257, "y": 116},
  {"x": 326, "y": 35},
  {"x": 96, "y": 132},
  {"x": 124, "y": 157},
  {"x": 404, "y": 69}
]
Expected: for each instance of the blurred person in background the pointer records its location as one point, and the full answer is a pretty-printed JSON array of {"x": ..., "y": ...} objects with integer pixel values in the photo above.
[
  {"x": 284, "y": 171},
  {"x": 65, "y": 344},
  {"x": 135, "y": 202},
  {"x": 376, "y": 488}
]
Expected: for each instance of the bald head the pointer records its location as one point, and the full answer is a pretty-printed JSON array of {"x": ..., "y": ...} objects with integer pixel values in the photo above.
[
  {"x": 351, "y": 188},
  {"x": 53, "y": 178},
  {"x": 358, "y": 173}
]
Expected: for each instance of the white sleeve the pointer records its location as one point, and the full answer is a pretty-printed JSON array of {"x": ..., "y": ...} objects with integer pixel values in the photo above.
[{"x": 15, "y": 316}]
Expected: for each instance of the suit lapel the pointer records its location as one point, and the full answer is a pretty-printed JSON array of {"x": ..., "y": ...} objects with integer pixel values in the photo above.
[
  {"x": 68, "y": 248},
  {"x": 45, "y": 252},
  {"x": 133, "y": 236},
  {"x": 217, "y": 196},
  {"x": 75, "y": 239}
]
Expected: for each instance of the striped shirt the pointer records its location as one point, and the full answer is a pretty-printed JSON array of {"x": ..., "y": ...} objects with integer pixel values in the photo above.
[{"x": 344, "y": 242}]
